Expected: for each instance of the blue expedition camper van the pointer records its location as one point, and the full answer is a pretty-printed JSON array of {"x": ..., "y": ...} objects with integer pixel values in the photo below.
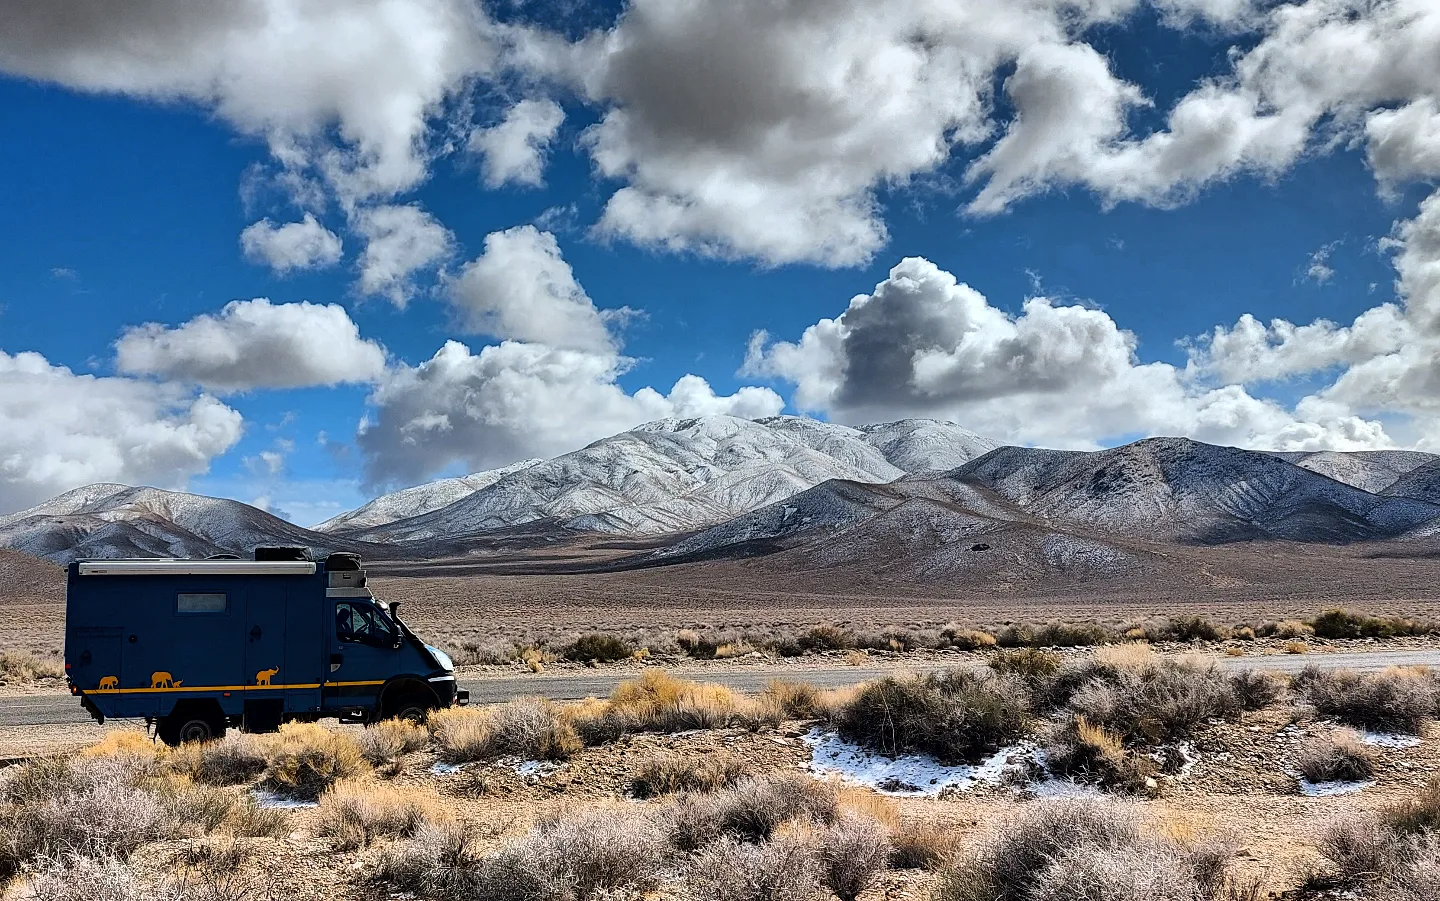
[{"x": 194, "y": 646}]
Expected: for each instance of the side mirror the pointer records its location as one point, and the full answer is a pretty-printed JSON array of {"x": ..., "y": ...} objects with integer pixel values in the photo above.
[{"x": 395, "y": 619}]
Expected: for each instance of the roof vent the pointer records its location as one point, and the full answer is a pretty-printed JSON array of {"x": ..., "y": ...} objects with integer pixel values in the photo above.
[{"x": 271, "y": 554}]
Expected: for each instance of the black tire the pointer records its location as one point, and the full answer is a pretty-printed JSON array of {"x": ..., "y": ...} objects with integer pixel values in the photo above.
[
  {"x": 187, "y": 726},
  {"x": 415, "y": 708}
]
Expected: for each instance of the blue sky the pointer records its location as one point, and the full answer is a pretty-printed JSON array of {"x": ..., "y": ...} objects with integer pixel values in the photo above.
[{"x": 125, "y": 197}]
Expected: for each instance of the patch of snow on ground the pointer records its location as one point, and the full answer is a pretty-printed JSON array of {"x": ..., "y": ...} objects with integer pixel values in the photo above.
[
  {"x": 279, "y": 802},
  {"x": 441, "y": 768},
  {"x": 1390, "y": 740},
  {"x": 1328, "y": 789},
  {"x": 534, "y": 767},
  {"x": 907, "y": 774}
]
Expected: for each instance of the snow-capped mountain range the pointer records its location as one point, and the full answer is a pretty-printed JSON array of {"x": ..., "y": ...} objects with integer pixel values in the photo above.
[{"x": 733, "y": 487}]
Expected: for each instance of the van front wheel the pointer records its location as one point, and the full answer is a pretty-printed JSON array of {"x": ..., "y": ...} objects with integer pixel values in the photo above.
[{"x": 414, "y": 708}]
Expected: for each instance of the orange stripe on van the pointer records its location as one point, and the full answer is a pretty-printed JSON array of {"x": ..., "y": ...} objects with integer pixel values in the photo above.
[{"x": 189, "y": 688}]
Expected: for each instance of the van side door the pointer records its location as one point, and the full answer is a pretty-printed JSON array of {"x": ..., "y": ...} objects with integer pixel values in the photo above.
[{"x": 363, "y": 654}]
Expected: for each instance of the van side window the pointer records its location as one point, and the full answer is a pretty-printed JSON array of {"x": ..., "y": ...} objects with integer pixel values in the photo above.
[
  {"x": 363, "y": 623},
  {"x": 200, "y": 602}
]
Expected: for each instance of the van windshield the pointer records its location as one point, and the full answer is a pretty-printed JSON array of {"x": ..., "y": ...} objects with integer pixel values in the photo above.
[{"x": 363, "y": 622}]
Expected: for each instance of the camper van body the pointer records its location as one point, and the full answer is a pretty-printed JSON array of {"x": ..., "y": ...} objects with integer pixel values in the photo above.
[{"x": 196, "y": 646}]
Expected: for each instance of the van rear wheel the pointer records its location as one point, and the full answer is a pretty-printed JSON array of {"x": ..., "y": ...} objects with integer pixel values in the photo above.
[{"x": 190, "y": 723}]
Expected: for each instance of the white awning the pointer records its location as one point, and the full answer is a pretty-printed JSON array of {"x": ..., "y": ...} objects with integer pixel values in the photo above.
[{"x": 197, "y": 568}]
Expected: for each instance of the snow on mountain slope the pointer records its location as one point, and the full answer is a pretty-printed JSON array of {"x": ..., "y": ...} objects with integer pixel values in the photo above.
[
  {"x": 119, "y": 521},
  {"x": 678, "y": 475},
  {"x": 417, "y": 501},
  {"x": 1421, "y": 483},
  {"x": 1184, "y": 490},
  {"x": 1372, "y": 471}
]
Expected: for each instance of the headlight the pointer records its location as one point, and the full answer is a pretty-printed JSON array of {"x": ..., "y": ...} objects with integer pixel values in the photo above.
[{"x": 443, "y": 658}]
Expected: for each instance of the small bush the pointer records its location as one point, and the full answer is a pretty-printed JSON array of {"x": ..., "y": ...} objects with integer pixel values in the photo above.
[
  {"x": 1297, "y": 647},
  {"x": 787, "y": 869},
  {"x": 304, "y": 759},
  {"x": 249, "y": 820},
  {"x": 598, "y": 646},
  {"x": 234, "y": 759},
  {"x": 1284, "y": 630},
  {"x": 1032, "y": 665},
  {"x": 670, "y": 773},
  {"x": 22, "y": 666},
  {"x": 1418, "y": 814},
  {"x": 1190, "y": 628},
  {"x": 354, "y": 814},
  {"x": 1392, "y": 701},
  {"x": 1336, "y": 757},
  {"x": 531, "y": 728},
  {"x": 922, "y": 845},
  {"x": 1158, "y": 701},
  {"x": 954, "y": 716},
  {"x": 1090, "y": 754},
  {"x": 853, "y": 852},
  {"x": 967, "y": 639},
  {"x": 74, "y": 877},
  {"x": 1255, "y": 690},
  {"x": 385, "y": 741},
  {"x": 1352, "y": 624},
  {"x": 1393, "y": 854},
  {"x": 1069, "y": 850},
  {"x": 1053, "y": 635},
  {"x": 795, "y": 700},
  {"x": 579, "y": 857},
  {"x": 660, "y": 702},
  {"x": 825, "y": 638},
  {"x": 751, "y": 811},
  {"x": 1242, "y": 633}
]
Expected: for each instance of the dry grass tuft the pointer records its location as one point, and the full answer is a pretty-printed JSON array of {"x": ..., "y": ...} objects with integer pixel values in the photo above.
[
  {"x": 531, "y": 728},
  {"x": 1337, "y": 757},
  {"x": 353, "y": 814},
  {"x": 794, "y": 700},
  {"x": 668, "y": 773},
  {"x": 1147, "y": 701},
  {"x": 659, "y": 702},
  {"x": 234, "y": 759},
  {"x": 386, "y": 741},
  {"x": 1392, "y": 854},
  {"x": 1087, "y": 753},
  {"x": 750, "y": 811},
  {"x": 917, "y": 844},
  {"x": 304, "y": 759},
  {"x": 853, "y": 852},
  {"x": 23, "y": 666}
]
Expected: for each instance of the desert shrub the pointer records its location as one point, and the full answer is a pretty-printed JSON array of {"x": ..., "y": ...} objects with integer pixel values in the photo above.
[
  {"x": 1336, "y": 757},
  {"x": 387, "y": 740},
  {"x": 1157, "y": 701},
  {"x": 74, "y": 877},
  {"x": 1190, "y": 628},
  {"x": 596, "y": 722},
  {"x": 462, "y": 734},
  {"x": 1032, "y": 665},
  {"x": 795, "y": 700},
  {"x": 967, "y": 639},
  {"x": 234, "y": 759},
  {"x": 598, "y": 646},
  {"x": 1418, "y": 814},
  {"x": 660, "y": 702},
  {"x": 23, "y": 666},
  {"x": 354, "y": 814},
  {"x": 192, "y": 808},
  {"x": 853, "y": 851},
  {"x": 750, "y": 811},
  {"x": 1068, "y": 850},
  {"x": 1254, "y": 689},
  {"x": 1390, "y": 854},
  {"x": 668, "y": 773},
  {"x": 86, "y": 807},
  {"x": 1086, "y": 753},
  {"x": 787, "y": 869},
  {"x": 1284, "y": 630},
  {"x": 531, "y": 728},
  {"x": 579, "y": 857},
  {"x": 922, "y": 845},
  {"x": 1297, "y": 647},
  {"x": 1052, "y": 635},
  {"x": 248, "y": 819},
  {"x": 1341, "y": 623},
  {"x": 955, "y": 716},
  {"x": 825, "y": 638},
  {"x": 1392, "y": 701},
  {"x": 1242, "y": 633},
  {"x": 303, "y": 759}
]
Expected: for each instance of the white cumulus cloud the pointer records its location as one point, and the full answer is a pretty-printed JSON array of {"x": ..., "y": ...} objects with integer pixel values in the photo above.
[
  {"x": 923, "y": 344},
  {"x": 514, "y": 149},
  {"x": 60, "y": 430},
  {"x": 294, "y": 245},
  {"x": 255, "y": 344},
  {"x": 402, "y": 241}
]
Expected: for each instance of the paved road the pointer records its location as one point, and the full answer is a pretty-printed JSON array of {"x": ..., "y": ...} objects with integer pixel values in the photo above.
[{"x": 61, "y": 709}]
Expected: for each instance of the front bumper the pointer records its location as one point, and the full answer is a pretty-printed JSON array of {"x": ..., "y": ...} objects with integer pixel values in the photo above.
[{"x": 448, "y": 692}]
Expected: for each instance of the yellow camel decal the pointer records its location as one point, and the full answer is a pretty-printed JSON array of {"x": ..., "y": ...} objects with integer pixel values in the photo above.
[
  {"x": 109, "y": 682},
  {"x": 163, "y": 680},
  {"x": 263, "y": 677}
]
